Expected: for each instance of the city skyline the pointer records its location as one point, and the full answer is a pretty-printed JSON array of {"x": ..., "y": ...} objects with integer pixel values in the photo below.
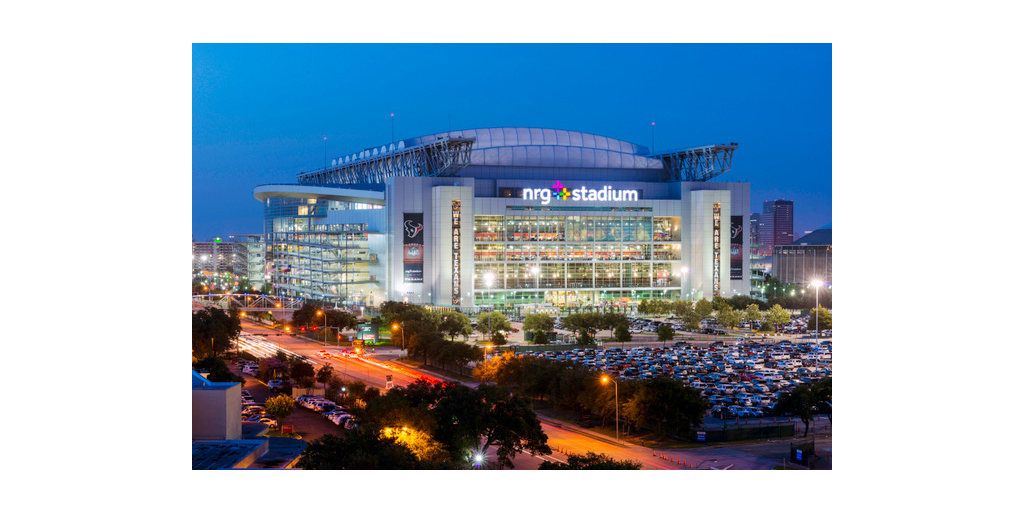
[{"x": 261, "y": 112}]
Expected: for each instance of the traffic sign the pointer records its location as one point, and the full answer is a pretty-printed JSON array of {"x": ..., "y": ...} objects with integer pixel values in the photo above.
[
  {"x": 701, "y": 436},
  {"x": 287, "y": 429}
]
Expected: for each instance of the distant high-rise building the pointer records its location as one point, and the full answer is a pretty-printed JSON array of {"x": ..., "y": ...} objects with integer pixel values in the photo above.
[
  {"x": 806, "y": 259},
  {"x": 776, "y": 224},
  {"x": 213, "y": 257}
]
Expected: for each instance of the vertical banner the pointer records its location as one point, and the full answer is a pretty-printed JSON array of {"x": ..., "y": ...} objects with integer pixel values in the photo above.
[
  {"x": 716, "y": 233},
  {"x": 412, "y": 248},
  {"x": 456, "y": 252},
  {"x": 736, "y": 249}
]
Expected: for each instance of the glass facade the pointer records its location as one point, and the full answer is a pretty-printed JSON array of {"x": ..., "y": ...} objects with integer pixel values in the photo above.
[
  {"x": 575, "y": 261},
  {"x": 309, "y": 259}
]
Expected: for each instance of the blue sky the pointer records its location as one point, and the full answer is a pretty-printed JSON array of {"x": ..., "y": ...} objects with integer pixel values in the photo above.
[{"x": 260, "y": 112}]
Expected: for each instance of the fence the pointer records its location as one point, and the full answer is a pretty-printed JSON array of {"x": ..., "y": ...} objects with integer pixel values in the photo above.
[{"x": 778, "y": 431}]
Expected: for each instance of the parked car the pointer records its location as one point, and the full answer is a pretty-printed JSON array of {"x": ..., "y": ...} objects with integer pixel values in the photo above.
[
  {"x": 275, "y": 384},
  {"x": 270, "y": 422}
]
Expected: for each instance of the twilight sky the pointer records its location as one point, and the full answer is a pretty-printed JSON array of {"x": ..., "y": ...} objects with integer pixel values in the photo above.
[{"x": 260, "y": 112}]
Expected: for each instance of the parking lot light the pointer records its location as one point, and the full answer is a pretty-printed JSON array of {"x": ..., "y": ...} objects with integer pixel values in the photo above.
[{"x": 605, "y": 379}]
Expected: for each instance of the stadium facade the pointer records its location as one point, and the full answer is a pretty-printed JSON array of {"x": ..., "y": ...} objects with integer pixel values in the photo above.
[{"x": 511, "y": 218}]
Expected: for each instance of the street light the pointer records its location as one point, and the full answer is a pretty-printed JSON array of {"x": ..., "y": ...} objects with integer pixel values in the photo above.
[
  {"x": 395, "y": 327},
  {"x": 318, "y": 313},
  {"x": 605, "y": 378},
  {"x": 816, "y": 284},
  {"x": 536, "y": 276},
  {"x": 489, "y": 279}
]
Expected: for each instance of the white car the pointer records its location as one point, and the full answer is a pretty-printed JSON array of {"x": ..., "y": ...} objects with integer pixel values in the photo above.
[{"x": 270, "y": 422}]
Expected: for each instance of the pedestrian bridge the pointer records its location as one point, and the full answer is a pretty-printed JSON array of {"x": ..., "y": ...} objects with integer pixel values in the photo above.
[{"x": 280, "y": 306}]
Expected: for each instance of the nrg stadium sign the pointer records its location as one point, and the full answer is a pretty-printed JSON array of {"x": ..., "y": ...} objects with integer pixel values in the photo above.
[{"x": 605, "y": 193}]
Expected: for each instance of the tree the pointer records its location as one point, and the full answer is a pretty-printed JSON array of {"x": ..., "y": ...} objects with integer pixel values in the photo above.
[
  {"x": 703, "y": 308},
  {"x": 752, "y": 314},
  {"x": 666, "y": 405},
  {"x": 665, "y": 333},
  {"x": 622, "y": 334},
  {"x": 539, "y": 324},
  {"x": 361, "y": 449},
  {"x": 491, "y": 322},
  {"x": 591, "y": 461},
  {"x": 302, "y": 373},
  {"x": 218, "y": 370},
  {"x": 728, "y": 316},
  {"x": 612, "y": 320},
  {"x": 324, "y": 374},
  {"x": 213, "y": 330},
  {"x": 279, "y": 406},
  {"x": 824, "y": 318},
  {"x": 498, "y": 339},
  {"x": 455, "y": 324},
  {"x": 799, "y": 402},
  {"x": 822, "y": 391},
  {"x": 585, "y": 325},
  {"x": 489, "y": 416},
  {"x": 777, "y": 315}
]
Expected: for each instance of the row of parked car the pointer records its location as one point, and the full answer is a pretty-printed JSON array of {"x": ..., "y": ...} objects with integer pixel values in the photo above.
[
  {"x": 741, "y": 379},
  {"x": 253, "y": 411},
  {"x": 330, "y": 410}
]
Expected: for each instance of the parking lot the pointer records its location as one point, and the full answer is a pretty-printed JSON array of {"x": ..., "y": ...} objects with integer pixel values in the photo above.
[
  {"x": 307, "y": 423},
  {"x": 741, "y": 379}
]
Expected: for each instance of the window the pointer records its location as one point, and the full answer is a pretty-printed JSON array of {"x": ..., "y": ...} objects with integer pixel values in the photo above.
[{"x": 488, "y": 228}]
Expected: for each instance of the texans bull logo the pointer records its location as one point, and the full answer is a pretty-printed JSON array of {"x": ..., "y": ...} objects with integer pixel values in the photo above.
[{"x": 412, "y": 228}]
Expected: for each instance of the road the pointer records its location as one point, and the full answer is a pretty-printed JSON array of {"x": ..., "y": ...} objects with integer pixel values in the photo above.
[
  {"x": 562, "y": 438},
  {"x": 372, "y": 370}
]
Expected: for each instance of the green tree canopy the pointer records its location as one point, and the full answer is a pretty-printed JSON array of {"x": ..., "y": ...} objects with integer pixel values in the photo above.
[
  {"x": 622, "y": 334},
  {"x": 666, "y": 405},
  {"x": 492, "y": 322},
  {"x": 665, "y": 333},
  {"x": 324, "y": 374},
  {"x": 728, "y": 316},
  {"x": 777, "y": 315},
  {"x": 591, "y": 461},
  {"x": 799, "y": 402},
  {"x": 213, "y": 330},
  {"x": 824, "y": 319},
  {"x": 538, "y": 322},
  {"x": 454, "y": 323},
  {"x": 279, "y": 406},
  {"x": 752, "y": 314},
  {"x": 218, "y": 370},
  {"x": 361, "y": 449},
  {"x": 703, "y": 308}
]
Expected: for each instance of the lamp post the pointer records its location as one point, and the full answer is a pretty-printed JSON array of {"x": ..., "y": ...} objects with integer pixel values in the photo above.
[
  {"x": 536, "y": 276},
  {"x": 489, "y": 280},
  {"x": 395, "y": 327},
  {"x": 816, "y": 284},
  {"x": 605, "y": 378},
  {"x": 320, "y": 312}
]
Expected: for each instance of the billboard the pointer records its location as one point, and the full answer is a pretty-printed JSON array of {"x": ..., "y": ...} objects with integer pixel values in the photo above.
[
  {"x": 456, "y": 251},
  {"x": 412, "y": 248},
  {"x": 736, "y": 248}
]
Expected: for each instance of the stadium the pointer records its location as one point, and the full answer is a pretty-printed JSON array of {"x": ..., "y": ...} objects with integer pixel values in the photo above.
[{"x": 517, "y": 219}]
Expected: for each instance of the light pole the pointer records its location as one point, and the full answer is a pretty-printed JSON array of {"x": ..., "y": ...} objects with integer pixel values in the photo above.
[
  {"x": 816, "y": 284},
  {"x": 605, "y": 378},
  {"x": 320, "y": 312},
  {"x": 395, "y": 327},
  {"x": 536, "y": 276},
  {"x": 489, "y": 279}
]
